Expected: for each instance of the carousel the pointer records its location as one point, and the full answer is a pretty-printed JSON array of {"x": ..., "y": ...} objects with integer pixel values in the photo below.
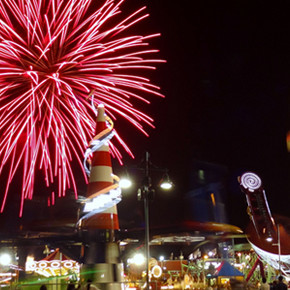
[{"x": 54, "y": 265}]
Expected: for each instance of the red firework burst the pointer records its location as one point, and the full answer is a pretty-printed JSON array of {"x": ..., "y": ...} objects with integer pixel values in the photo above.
[{"x": 53, "y": 55}]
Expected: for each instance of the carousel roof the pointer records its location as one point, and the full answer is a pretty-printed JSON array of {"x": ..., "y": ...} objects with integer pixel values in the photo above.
[{"x": 56, "y": 255}]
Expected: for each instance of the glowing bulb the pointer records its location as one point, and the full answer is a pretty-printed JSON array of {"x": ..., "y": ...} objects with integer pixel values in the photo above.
[
  {"x": 139, "y": 259},
  {"x": 166, "y": 185},
  {"x": 269, "y": 239},
  {"x": 125, "y": 183},
  {"x": 5, "y": 259},
  {"x": 165, "y": 182}
]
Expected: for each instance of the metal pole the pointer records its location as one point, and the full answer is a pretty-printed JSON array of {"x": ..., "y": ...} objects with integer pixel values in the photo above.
[
  {"x": 146, "y": 213},
  {"x": 279, "y": 247},
  {"x": 278, "y": 244},
  {"x": 147, "y": 250}
]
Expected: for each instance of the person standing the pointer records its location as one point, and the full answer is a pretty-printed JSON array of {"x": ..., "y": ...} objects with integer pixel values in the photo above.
[
  {"x": 264, "y": 285},
  {"x": 90, "y": 286},
  {"x": 70, "y": 286},
  {"x": 281, "y": 285}
]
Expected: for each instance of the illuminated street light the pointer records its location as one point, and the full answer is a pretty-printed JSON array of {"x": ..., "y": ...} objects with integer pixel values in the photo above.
[
  {"x": 145, "y": 193},
  {"x": 166, "y": 183},
  {"x": 5, "y": 259},
  {"x": 125, "y": 182}
]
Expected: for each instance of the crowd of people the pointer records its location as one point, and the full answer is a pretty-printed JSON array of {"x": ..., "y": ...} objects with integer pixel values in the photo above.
[
  {"x": 264, "y": 285},
  {"x": 275, "y": 285},
  {"x": 72, "y": 286},
  {"x": 278, "y": 285}
]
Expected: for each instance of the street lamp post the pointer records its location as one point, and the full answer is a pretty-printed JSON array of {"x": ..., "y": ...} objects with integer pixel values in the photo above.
[
  {"x": 145, "y": 193},
  {"x": 147, "y": 240}
]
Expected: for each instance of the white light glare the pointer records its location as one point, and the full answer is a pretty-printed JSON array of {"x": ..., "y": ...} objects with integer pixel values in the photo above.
[
  {"x": 5, "y": 259},
  {"x": 138, "y": 259},
  {"x": 166, "y": 185},
  {"x": 269, "y": 239},
  {"x": 125, "y": 183},
  {"x": 210, "y": 253}
]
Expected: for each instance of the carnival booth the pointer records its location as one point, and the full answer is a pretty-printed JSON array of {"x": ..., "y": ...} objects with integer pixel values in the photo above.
[{"x": 225, "y": 274}]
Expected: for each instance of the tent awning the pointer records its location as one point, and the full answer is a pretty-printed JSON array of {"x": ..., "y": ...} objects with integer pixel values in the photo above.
[{"x": 227, "y": 270}]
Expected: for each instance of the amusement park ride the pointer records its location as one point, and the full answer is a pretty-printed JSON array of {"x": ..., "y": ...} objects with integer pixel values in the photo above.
[
  {"x": 98, "y": 221},
  {"x": 99, "y": 217},
  {"x": 268, "y": 235}
]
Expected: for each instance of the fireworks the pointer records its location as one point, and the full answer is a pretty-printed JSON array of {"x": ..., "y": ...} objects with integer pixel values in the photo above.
[{"x": 56, "y": 57}]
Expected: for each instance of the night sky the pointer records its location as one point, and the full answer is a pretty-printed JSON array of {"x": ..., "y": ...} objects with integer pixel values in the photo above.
[{"x": 226, "y": 83}]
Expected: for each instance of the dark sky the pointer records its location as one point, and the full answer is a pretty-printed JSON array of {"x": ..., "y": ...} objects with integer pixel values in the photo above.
[{"x": 226, "y": 83}]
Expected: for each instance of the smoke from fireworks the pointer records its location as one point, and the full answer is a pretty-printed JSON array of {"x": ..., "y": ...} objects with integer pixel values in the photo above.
[{"x": 55, "y": 58}]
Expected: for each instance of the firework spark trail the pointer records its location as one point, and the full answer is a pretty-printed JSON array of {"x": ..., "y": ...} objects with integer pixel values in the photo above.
[{"x": 53, "y": 55}]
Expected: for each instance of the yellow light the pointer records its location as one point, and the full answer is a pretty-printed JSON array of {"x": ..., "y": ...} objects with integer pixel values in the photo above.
[
  {"x": 288, "y": 141},
  {"x": 212, "y": 199},
  {"x": 51, "y": 268},
  {"x": 156, "y": 271}
]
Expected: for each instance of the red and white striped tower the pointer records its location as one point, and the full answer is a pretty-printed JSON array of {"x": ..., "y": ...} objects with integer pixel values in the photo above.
[
  {"x": 101, "y": 253},
  {"x": 101, "y": 181}
]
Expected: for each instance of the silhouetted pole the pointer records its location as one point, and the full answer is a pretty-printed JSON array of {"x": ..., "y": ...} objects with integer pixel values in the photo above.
[{"x": 146, "y": 191}]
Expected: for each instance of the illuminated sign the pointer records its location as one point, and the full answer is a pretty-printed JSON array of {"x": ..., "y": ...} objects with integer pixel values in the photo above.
[{"x": 52, "y": 268}]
